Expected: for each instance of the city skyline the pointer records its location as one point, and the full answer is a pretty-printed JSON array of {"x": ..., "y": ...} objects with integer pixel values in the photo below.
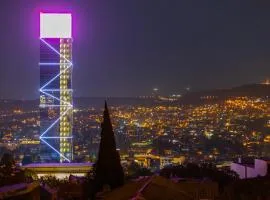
[
  {"x": 129, "y": 48},
  {"x": 134, "y": 99}
]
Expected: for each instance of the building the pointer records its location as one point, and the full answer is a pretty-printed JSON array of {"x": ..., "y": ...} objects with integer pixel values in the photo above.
[
  {"x": 59, "y": 170},
  {"x": 157, "y": 187},
  {"x": 170, "y": 160},
  {"x": 260, "y": 167},
  {"x": 154, "y": 161},
  {"x": 56, "y": 106}
]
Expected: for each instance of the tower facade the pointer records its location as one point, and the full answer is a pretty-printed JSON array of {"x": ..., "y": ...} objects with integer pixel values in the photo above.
[{"x": 56, "y": 106}]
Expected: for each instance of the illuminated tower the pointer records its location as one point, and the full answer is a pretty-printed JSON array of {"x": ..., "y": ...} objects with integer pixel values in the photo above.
[{"x": 56, "y": 109}]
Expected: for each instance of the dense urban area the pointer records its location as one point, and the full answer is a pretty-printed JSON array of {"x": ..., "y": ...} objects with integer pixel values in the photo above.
[
  {"x": 134, "y": 100},
  {"x": 154, "y": 132}
]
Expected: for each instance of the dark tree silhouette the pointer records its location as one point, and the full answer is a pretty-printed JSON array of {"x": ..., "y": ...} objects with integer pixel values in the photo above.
[
  {"x": 7, "y": 165},
  {"x": 27, "y": 159},
  {"x": 134, "y": 170},
  {"x": 203, "y": 171},
  {"x": 108, "y": 169},
  {"x": 9, "y": 173},
  {"x": 248, "y": 189}
]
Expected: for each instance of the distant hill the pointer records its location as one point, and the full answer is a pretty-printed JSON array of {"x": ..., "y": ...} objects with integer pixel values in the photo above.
[
  {"x": 7, "y": 104},
  {"x": 251, "y": 90},
  {"x": 83, "y": 102},
  {"x": 78, "y": 102}
]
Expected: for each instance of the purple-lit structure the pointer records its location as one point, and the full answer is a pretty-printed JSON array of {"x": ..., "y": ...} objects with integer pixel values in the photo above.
[{"x": 56, "y": 109}]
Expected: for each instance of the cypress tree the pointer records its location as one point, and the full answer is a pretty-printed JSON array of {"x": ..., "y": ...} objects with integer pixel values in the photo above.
[{"x": 108, "y": 169}]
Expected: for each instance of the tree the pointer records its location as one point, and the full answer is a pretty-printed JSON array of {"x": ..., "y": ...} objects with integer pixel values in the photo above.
[
  {"x": 108, "y": 169},
  {"x": 9, "y": 173},
  {"x": 27, "y": 159},
  {"x": 247, "y": 189},
  {"x": 133, "y": 170},
  {"x": 30, "y": 175},
  {"x": 7, "y": 165}
]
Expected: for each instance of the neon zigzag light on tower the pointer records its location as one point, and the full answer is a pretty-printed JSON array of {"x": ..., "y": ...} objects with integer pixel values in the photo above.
[
  {"x": 42, "y": 137},
  {"x": 55, "y": 91}
]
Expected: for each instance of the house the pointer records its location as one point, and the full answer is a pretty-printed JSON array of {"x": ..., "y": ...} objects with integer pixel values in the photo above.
[{"x": 260, "y": 167}]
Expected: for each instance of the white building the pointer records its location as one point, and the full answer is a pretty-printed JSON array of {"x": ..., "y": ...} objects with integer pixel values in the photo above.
[
  {"x": 59, "y": 170},
  {"x": 260, "y": 167}
]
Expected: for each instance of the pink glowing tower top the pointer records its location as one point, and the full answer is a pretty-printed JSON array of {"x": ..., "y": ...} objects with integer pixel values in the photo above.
[{"x": 55, "y": 25}]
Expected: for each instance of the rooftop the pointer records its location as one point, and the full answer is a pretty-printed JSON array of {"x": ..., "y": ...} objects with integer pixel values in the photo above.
[
  {"x": 154, "y": 187},
  {"x": 66, "y": 165}
]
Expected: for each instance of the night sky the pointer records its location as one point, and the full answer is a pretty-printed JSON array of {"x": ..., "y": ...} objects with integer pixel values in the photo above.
[{"x": 127, "y": 47}]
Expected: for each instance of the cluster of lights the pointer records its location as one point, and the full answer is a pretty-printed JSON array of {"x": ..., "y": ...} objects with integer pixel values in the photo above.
[{"x": 65, "y": 96}]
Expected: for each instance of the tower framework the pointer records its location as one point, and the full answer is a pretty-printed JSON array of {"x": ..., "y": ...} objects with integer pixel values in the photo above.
[{"x": 56, "y": 104}]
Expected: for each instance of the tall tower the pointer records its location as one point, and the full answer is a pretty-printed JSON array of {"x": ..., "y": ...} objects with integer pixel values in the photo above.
[{"x": 56, "y": 106}]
